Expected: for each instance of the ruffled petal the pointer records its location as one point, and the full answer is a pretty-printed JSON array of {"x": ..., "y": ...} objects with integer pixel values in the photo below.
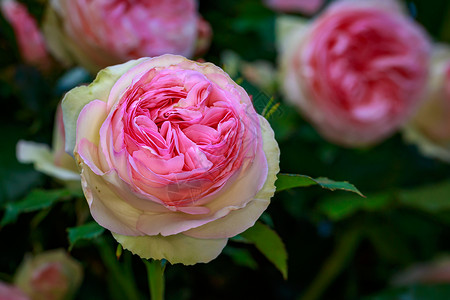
[{"x": 240, "y": 220}]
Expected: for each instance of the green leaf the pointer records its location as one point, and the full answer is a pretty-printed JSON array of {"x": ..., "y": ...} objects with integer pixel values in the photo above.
[
  {"x": 389, "y": 242},
  {"x": 342, "y": 206},
  {"x": 241, "y": 257},
  {"x": 84, "y": 232},
  {"x": 431, "y": 198},
  {"x": 270, "y": 244},
  {"x": 415, "y": 292},
  {"x": 289, "y": 181},
  {"x": 36, "y": 200}
]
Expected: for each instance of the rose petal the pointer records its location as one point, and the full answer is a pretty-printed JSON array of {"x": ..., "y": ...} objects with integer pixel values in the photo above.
[
  {"x": 77, "y": 98},
  {"x": 240, "y": 220},
  {"x": 175, "y": 248},
  {"x": 43, "y": 160},
  {"x": 107, "y": 208},
  {"x": 233, "y": 197}
]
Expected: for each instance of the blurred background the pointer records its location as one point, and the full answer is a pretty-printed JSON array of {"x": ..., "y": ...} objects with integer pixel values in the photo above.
[{"x": 394, "y": 244}]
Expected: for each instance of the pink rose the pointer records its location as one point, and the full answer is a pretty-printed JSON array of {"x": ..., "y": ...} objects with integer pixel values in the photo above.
[
  {"x": 424, "y": 273},
  {"x": 52, "y": 275},
  {"x": 54, "y": 162},
  {"x": 174, "y": 159},
  {"x": 204, "y": 35},
  {"x": 429, "y": 128},
  {"x": 30, "y": 40},
  {"x": 303, "y": 6},
  {"x": 10, "y": 292},
  {"x": 357, "y": 72},
  {"x": 100, "y": 33}
]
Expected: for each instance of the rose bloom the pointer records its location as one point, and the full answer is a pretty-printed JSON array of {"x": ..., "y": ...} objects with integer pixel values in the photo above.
[
  {"x": 303, "y": 6},
  {"x": 53, "y": 162},
  {"x": 357, "y": 72},
  {"x": 430, "y": 126},
  {"x": 29, "y": 39},
  {"x": 100, "y": 33},
  {"x": 174, "y": 159},
  {"x": 204, "y": 36},
  {"x": 10, "y": 292},
  {"x": 435, "y": 272},
  {"x": 52, "y": 275}
]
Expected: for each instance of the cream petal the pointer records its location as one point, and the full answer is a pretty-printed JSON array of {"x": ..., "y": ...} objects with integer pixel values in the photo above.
[
  {"x": 107, "y": 208},
  {"x": 55, "y": 38},
  {"x": 167, "y": 224},
  {"x": 240, "y": 220},
  {"x": 285, "y": 26},
  {"x": 74, "y": 101},
  {"x": 43, "y": 160},
  {"x": 175, "y": 248},
  {"x": 90, "y": 120}
]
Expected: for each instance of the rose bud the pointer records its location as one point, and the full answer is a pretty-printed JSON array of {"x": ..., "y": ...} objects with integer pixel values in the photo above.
[
  {"x": 29, "y": 39},
  {"x": 174, "y": 159},
  {"x": 430, "y": 126},
  {"x": 53, "y": 162},
  {"x": 52, "y": 275},
  {"x": 357, "y": 72},
  {"x": 100, "y": 33}
]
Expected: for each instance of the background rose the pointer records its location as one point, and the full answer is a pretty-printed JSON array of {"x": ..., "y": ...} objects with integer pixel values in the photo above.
[
  {"x": 357, "y": 72},
  {"x": 204, "y": 36},
  {"x": 51, "y": 275},
  {"x": 29, "y": 39},
  {"x": 10, "y": 292},
  {"x": 174, "y": 160},
  {"x": 100, "y": 33},
  {"x": 54, "y": 162},
  {"x": 304, "y": 6},
  {"x": 430, "y": 126},
  {"x": 433, "y": 272}
]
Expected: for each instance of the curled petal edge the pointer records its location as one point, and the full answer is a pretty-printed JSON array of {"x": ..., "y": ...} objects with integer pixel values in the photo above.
[{"x": 74, "y": 101}]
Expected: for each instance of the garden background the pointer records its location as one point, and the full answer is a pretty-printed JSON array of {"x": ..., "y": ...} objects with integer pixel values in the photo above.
[{"x": 339, "y": 244}]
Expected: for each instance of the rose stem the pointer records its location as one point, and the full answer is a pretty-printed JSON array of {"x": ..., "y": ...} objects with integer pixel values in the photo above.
[
  {"x": 345, "y": 248},
  {"x": 155, "y": 274}
]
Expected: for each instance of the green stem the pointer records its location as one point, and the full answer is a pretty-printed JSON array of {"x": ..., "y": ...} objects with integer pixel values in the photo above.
[
  {"x": 155, "y": 274},
  {"x": 121, "y": 274},
  {"x": 333, "y": 265}
]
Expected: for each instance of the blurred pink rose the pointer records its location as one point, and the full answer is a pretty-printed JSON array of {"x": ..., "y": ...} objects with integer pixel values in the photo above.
[
  {"x": 429, "y": 128},
  {"x": 358, "y": 71},
  {"x": 51, "y": 275},
  {"x": 204, "y": 35},
  {"x": 303, "y": 6},
  {"x": 425, "y": 273},
  {"x": 101, "y": 33},
  {"x": 30, "y": 40},
  {"x": 10, "y": 292},
  {"x": 174, "y": 159}
]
